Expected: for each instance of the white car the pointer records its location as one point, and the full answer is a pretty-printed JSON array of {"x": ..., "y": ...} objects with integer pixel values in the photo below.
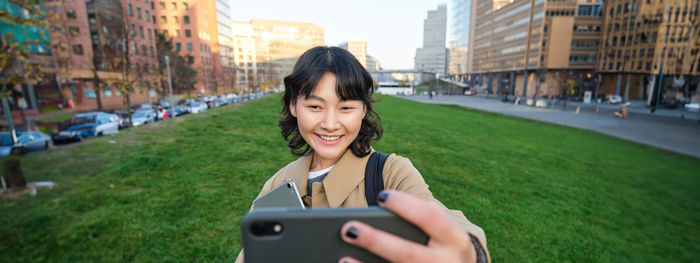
[
  {"x": 198, "y": 107},
  {"x": 614, "y": 99},
  {"x": 142, "y": 117},
  {"x": 89, "y": 124}
]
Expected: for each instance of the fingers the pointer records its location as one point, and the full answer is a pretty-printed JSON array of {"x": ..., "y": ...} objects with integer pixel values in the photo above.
[
  {"x": 427, "y": 216},
  {"x": 348, "y": 260},
  {"x": 383, "y": 244}
]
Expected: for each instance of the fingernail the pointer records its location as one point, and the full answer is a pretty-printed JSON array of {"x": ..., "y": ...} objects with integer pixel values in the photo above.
[
  {"x": 352, "y": 232},
  {"x": 383, "y": 196}
]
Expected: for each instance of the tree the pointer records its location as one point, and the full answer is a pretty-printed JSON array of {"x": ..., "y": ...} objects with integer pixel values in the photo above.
[
  {"x": 61, "y": 42},
  {"x": 182, "y": 74},
  {"x": 16, "y": 66},
  {"x": 124, "y": 63}
]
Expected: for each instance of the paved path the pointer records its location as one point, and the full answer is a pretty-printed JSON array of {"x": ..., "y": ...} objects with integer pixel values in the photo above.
[{"x": 669, "y": 133}]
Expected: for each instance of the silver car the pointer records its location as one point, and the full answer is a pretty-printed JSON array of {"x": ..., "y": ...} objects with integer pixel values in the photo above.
[{"x": 26, "y": 142}]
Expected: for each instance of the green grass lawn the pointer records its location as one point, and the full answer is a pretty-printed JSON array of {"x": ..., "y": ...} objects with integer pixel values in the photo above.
[{"x": 176, "y": 190}]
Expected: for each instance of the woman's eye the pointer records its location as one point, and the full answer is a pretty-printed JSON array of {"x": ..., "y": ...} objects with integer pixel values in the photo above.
[
  {"x": 314, "y": 107},
  {"x": 346, "y": 108}
]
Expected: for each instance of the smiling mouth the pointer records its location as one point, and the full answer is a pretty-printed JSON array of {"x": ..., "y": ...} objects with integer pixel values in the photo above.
[{"x": 329, "y": 139}]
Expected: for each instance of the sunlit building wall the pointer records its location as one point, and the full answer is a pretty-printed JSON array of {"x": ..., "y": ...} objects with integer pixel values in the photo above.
[
  {"x": 358, "y": 48},
  {"x": 458, "y": 21},
  {"x": 188, "y": 24},
  {"x": 266, "y": 50},
  {"x": 432, "y": 57},
  {"x": 535, "y": 47},
  {"x": 640, "y": 37}
]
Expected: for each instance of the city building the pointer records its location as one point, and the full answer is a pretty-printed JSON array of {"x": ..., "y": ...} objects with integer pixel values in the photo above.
[
  {"x": 642, "y": 39},
  {"x": 358, "y": 48},
  {"x": 266, "y": 50},
  {"x": 432, "y": 57},
  {"x": 535, "y": 47},
  {"x": 192, "y": 25},
  {"x": 21, "y": 100},
  {"x": 458, "y": 21},
  {"x": 373, "y": 64},
  {"x": 222, "y": 46},
  {"x": 87, "y": 41}
]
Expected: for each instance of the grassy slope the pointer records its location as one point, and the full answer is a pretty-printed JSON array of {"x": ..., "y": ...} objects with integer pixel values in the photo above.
[{"x": 541, "y": 192}]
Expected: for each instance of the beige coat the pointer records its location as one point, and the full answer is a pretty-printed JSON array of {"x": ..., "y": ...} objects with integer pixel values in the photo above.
[{"x": 345, "y": 186}]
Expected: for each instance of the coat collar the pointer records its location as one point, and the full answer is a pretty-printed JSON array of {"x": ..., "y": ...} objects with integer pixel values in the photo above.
[{"x": 348, "y": 172}]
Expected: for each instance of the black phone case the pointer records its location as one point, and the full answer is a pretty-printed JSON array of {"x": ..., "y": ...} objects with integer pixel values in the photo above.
[{"x": 313, "y": 235}]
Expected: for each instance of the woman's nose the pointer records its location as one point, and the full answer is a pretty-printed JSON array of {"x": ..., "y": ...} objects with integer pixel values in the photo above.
[{"x": 330, "y": 121}]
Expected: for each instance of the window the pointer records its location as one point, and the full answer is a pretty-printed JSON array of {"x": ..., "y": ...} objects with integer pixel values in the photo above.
[
  {"x": 152, "y": 7},
  {"x": 173, "y": 5},
  {"x": 135, "y": 48},
  {"x": 190, "y": 59},
  {"x": 132, "y": 29},
  {"x": 89, "y": 92},
  {"x": 165, "y": 32},
  {"x": 144, "y": 51},
  {"x": 70, "y": 13},
  {"x": 78, "y": 49},
  {"x": 185, "y": 6},
  {"x": 149, "y": 34},
  {"x": 188, "y": 33},
  {"x": 107, "y": 92},
  {"x": 154, "y": 19},
  {"x": 189, "y": 46},
  {"x": 161, "y": 5},
  {"x": 152, "y": 54},
  {"x": 175, "y": 19},
  {"x": 138, "y": 12},
  {"x": 74, "y": 31},
  {"x": 163, "y": 19},
  {"x": 186, "y": 19},
  {"x": 177, "y": 32},
  {"x": 141, "y": 31},
  {"x": 128, "y": 9},
  {"x": 178, "y": 46},
  {"x": 148, "y": 15}
]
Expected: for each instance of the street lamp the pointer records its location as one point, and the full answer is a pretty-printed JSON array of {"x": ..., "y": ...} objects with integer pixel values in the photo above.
[{"x": 170, "y": 84}]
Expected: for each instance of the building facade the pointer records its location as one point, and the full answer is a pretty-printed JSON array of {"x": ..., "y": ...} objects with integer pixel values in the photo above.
[
  {"x": 432, "y": 57},
  {"x": 222, "y": 46},
  {"x": 88, "y": 39},
  {"x": 266, "y": 50},
  {"x": 643, "y": 39},
  {"x": 535, "y": 47},
  {"x": 358, "y": 48},
  {"x": 193, "y": 33},
  {"x": 458, "y": 24}
]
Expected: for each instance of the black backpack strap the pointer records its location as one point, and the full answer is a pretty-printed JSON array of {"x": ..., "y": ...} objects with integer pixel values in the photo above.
[{"x": 374, "y": 181}]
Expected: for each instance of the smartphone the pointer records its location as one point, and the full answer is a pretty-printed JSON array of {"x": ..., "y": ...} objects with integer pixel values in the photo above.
[
  {"x": 313, "y": 235},
  {"x": 285, "y": 195}
]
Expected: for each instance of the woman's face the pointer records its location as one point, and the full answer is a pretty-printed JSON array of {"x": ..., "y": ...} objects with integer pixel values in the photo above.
[{"x": 327, "y": 123}]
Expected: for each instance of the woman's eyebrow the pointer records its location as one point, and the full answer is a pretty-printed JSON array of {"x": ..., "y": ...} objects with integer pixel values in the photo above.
[{"x": 314, "y": 97}]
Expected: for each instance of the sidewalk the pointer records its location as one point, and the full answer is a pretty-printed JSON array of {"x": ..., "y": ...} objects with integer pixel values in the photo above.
[{"x": 665, "y": 130}]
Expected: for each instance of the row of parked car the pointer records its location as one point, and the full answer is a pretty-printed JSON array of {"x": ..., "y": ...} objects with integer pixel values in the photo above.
[{"x": 90, "y": 124}]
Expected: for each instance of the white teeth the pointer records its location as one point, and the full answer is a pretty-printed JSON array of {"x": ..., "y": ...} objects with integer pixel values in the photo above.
[{"x": 329, "y": 138}]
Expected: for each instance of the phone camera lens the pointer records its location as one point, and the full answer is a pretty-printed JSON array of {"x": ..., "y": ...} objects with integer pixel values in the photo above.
[
  {"x": 277, "y": 228},
  {"x": 289, "y": 186}
]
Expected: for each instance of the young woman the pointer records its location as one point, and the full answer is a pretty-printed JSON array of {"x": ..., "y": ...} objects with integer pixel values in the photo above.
[{"x": 328, "y": 121}]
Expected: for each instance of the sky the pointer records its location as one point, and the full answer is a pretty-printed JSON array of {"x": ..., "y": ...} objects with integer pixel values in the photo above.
[{"x": 393, "y": 28}]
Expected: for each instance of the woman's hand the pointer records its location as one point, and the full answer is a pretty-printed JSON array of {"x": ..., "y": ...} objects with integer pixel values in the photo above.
[{"x": 447, "y": 241}]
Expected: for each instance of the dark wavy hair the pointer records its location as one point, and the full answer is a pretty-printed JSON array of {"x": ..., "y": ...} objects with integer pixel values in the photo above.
[{"x": 353, "y": 83}]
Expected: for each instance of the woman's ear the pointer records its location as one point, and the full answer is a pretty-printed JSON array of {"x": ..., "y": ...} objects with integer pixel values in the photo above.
[{"x": 293, "y": 108}]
